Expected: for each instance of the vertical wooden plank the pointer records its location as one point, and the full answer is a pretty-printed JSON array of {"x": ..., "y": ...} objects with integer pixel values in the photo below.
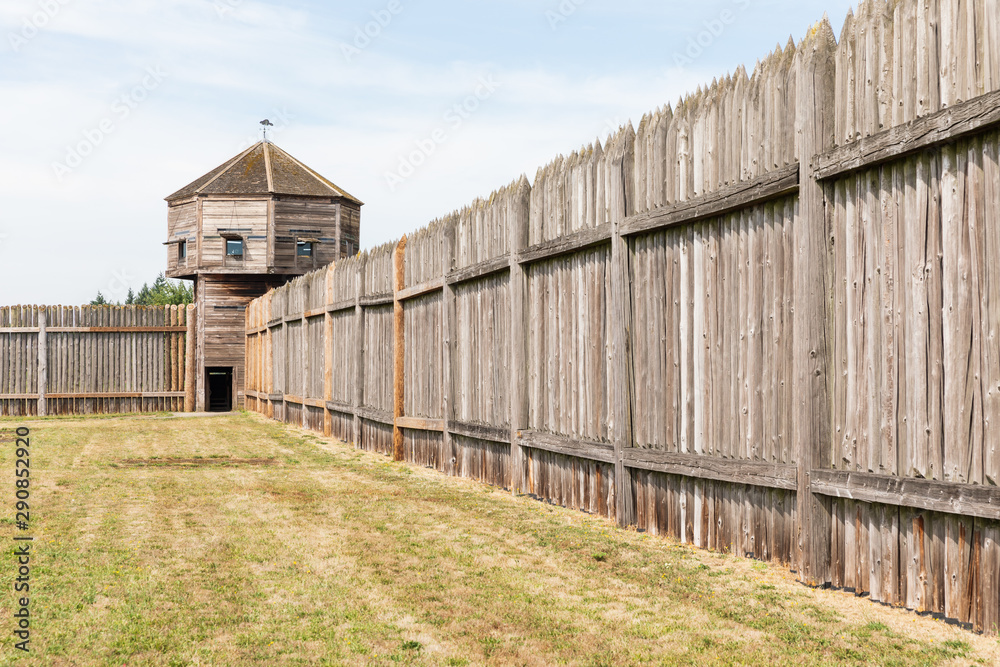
[
  {"x": 961, "y": 366},
  {"x": 991, "y": 577},
  {"x": 190, "y": 339},
  {"x": 448, "y": 335},
  {"x": 399, "y": 349},
  {"x": 358, "y": 348},
  {"x": 199, "y": 299},
  {"x": 990, "y": 338},
  {"x": 43, "y": 362},
  {"x": 620, "y": 367},
  {"x": 518, "y": 228},
  {"x": 814, "y": 128},
  {"x": 327, "y": 343}
]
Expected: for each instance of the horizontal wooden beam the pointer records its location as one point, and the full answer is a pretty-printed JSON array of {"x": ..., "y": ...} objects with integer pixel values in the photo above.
[
  {"x": 377, "y": 300},
  {"x": 754, "y": 473},
  {"x": 772, "y": 185},
  {"x": 100, "y": 394},
  {"x": 301, "y": 400},
  {"x": 263, "y": 395},
  {"x": 315, "y": 312},
  {"x": 29, "y": 330},
  {"x": 338, "y": 406},
  {"x": 256, "y": 331},
  {"x": 567, "y": 244},
  {"x": 968, "y": 499},
  {"x": 19, "y": 397},
  {"x": 479, "y": 431},
  {"x": 480, "y": 270},
  {"x": 372, "y": 415},
  {"x": 435, "y": 285},
  {"x": 420, "y": 424},
  {"x": 348, "y": 304},
  {"x": 561, "y": 444},
  {"x": 941, "y": 127}
]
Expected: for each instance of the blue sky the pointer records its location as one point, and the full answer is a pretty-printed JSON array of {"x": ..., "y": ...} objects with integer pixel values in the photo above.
[{"x": 111, "y": 105}]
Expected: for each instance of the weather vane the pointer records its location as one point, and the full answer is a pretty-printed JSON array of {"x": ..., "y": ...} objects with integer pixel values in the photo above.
[{"x": 266, "y": 124}]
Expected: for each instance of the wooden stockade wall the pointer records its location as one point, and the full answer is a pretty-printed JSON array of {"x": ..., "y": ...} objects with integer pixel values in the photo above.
[
  {"x": 62, "y": 360},
  {"x": 765, "y": 322}
]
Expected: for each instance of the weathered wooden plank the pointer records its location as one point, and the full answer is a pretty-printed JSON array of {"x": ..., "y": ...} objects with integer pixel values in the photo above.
[
  {"x": 420, "y": 424},
  {"x": 774, "y": 184},
  {"x": 43, "y": 363},
  {"x": 477, "y": 271},
  {"x": 565, "y": 245},
  {"x": 811, "y": 422},
  {"x": 420, "y": 290},
  {"x": 478, "y": 431},
  {"x": 340, "y": 306},
  {"x": 946, "y": 126},
  {"x": 969, "y": 499},
  {"x": 373, "y": 415},
  {"x": 620, "y": 371},
  {"x": 595, "y": 451},
  {"x": 108, "y": 394},
  {"x": 378, "y": 300},
  {"x": 756, "y": 473},
  {"x": 399, "y": 349}
]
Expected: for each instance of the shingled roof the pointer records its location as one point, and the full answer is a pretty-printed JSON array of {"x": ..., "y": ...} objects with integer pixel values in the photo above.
[{"x": 262, "y": 169}]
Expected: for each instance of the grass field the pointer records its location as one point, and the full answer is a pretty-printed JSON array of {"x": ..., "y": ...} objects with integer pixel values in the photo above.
[{"x": 232, "y": 540}]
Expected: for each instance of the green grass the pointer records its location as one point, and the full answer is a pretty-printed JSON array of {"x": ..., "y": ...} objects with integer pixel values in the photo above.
[{"x": 231, "y": 541}]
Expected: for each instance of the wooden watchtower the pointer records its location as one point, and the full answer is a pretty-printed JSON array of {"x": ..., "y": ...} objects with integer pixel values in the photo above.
[{"x": 251, "y": 224}]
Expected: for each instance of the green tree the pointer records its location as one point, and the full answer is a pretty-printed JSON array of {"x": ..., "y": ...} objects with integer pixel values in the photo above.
[{"x": 163, "y": 292}]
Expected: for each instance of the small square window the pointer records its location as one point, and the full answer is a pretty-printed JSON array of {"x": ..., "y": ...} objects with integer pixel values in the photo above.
[
  {"x": 234, "y": 248},
  {"x": 182, "y": 250},
  {"x": 304, "y": 249}
]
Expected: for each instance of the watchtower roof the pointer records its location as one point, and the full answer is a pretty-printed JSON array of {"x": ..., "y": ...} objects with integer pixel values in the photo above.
[{"x": 263, "y": 169}]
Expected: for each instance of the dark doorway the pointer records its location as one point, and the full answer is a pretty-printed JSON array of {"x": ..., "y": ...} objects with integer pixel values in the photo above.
[{"x": 220, "y": 389}]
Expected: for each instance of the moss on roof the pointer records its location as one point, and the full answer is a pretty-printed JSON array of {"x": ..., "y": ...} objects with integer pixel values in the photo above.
[{"x": 247, "y": 174}]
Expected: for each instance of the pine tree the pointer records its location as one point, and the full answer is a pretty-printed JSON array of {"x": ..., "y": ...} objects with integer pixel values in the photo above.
[{"x": 163, "y": 292}]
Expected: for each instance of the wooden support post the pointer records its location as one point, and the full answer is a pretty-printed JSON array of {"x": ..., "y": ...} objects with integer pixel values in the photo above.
[
  {"x": 518, "y": 335},
  {"x": 399, "y": 348},
  {"x": 199, "y": 355},
  {"x": 811, "y": 412},
  {"x": 43, "y": 363},
  {"x": 269, "y": 355},
  {"x": 359, "y": 354},
  {"x": 328, "y": 344},
  {"x": 190, "y": 338},
  {"x": 286, "y": 363},
  {"x": 449, "y": 331},
  {"x": 620, "y": 192}
]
